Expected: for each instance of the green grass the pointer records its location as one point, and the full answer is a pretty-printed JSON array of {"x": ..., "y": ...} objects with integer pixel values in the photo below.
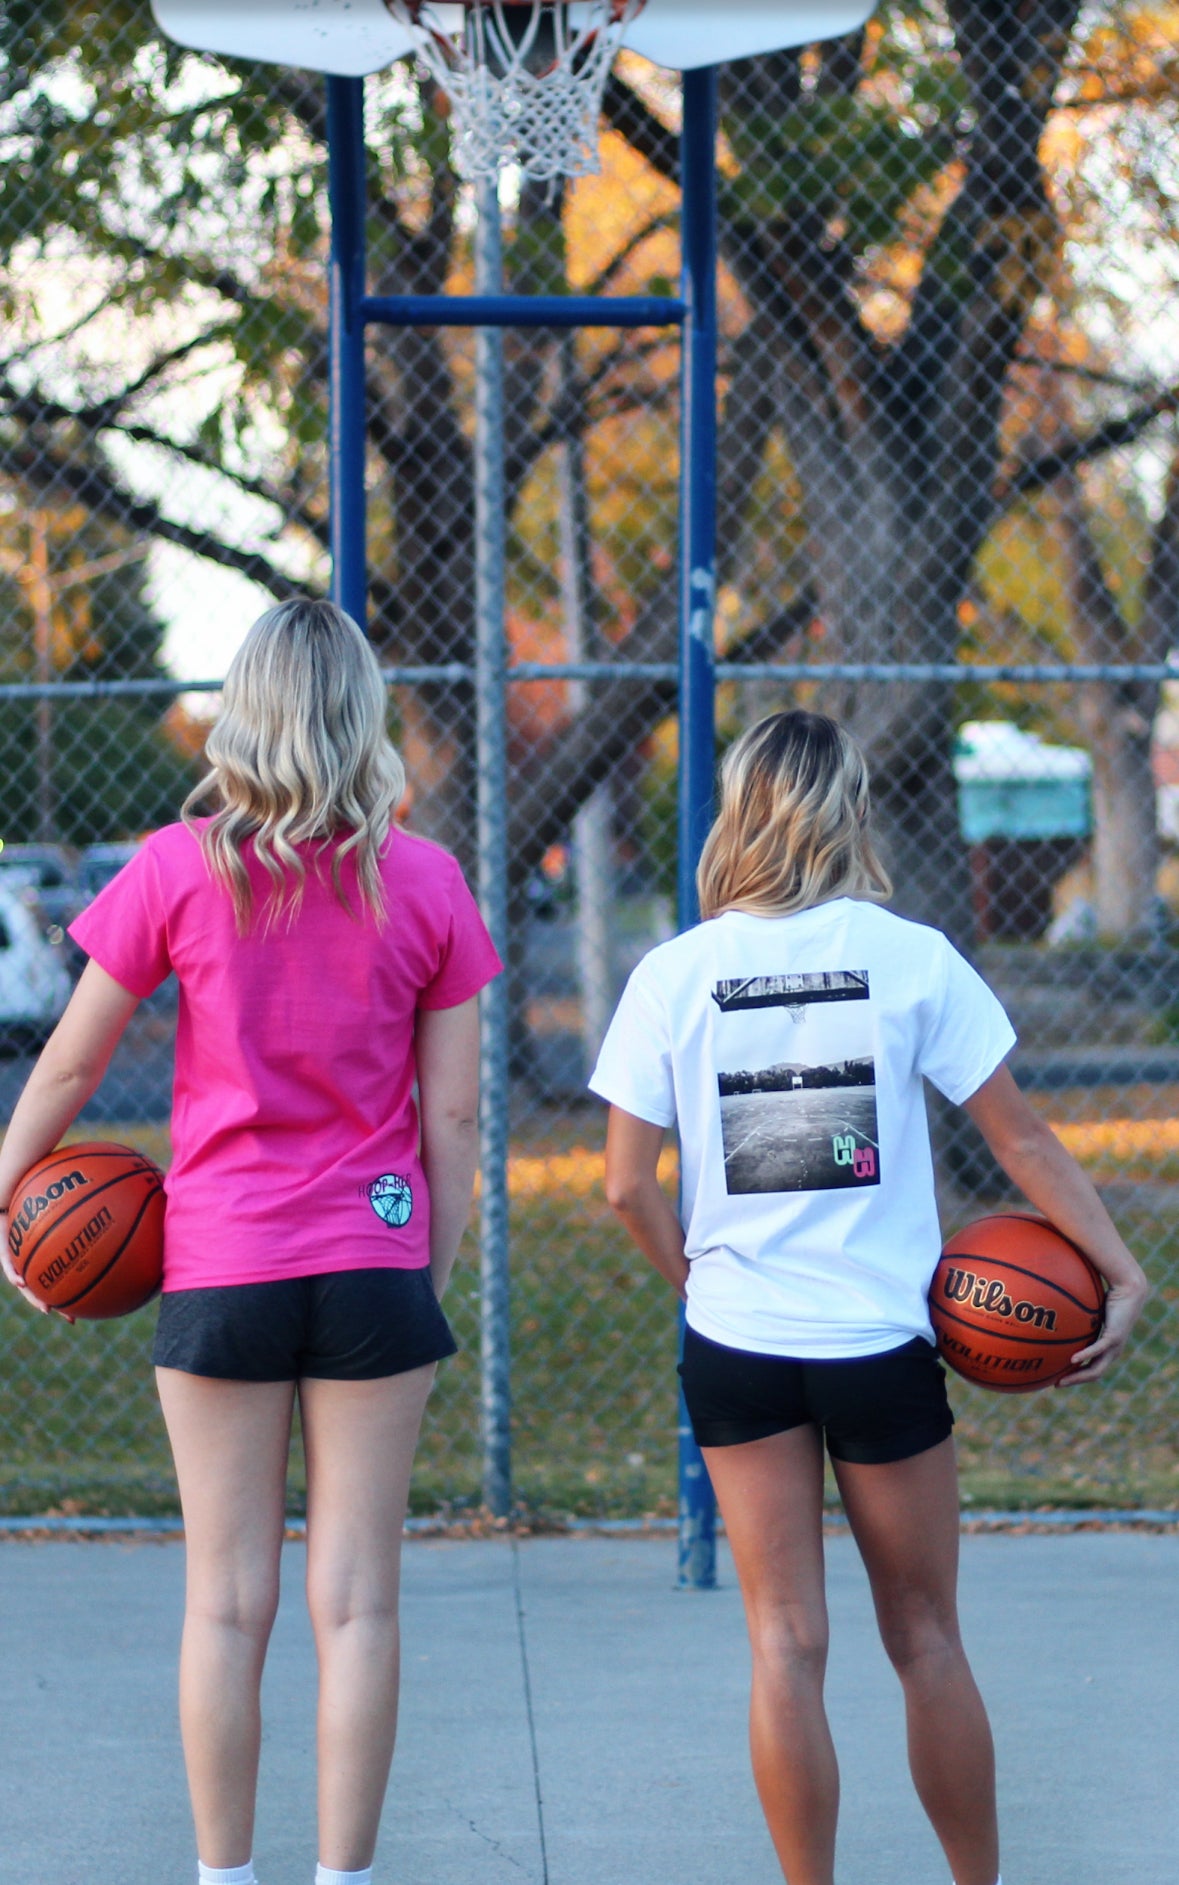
[{"x": 593, "y": 1371}]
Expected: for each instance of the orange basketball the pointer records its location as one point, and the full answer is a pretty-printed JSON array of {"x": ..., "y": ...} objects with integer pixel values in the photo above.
[
  {"x": 1012, "y": 1300},
  {"x": 86, "y": 1230}
]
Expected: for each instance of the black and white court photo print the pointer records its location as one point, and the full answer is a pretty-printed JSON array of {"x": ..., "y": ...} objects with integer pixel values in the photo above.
[{"x": 797, "y": 1079}]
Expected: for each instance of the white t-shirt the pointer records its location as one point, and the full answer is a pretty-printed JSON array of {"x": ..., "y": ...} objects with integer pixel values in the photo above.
[{"x": 790, "y": 1053}]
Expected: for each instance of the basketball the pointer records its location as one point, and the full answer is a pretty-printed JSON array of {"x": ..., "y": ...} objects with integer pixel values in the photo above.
[
  {"x": 1012, "y": 1300},
  {"x": 86, "y": 1230}
]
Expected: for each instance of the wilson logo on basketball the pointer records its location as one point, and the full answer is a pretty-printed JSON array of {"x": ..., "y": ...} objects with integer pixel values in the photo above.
[
  {"x": 988, "y": 1294},
  {"x": 102, "y": 1220},
  {"x": 22, "y": 1221}
]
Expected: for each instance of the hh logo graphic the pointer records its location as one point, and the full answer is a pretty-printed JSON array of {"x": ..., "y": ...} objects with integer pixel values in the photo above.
[
  {"x": 846, "y": 1151},
  {"x": 391, "y": 1199}
]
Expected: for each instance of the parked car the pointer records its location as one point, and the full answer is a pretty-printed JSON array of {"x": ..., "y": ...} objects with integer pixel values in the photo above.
[
  {"x": 99, "y": 863},
  {"x": 34, "y": 980},
  {"x": 51, "y": 871}
]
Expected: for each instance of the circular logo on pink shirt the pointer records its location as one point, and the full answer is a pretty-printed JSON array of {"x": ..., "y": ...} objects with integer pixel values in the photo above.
[{"x": 391, "y": 1199}]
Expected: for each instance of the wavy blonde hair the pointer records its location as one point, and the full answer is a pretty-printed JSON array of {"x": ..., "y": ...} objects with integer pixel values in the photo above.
[
  {"x": 793, "y": 824},
  {"x": 299, "y": 755}
]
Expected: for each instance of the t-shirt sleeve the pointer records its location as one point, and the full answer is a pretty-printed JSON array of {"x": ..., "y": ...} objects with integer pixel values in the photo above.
[
  {"x": 634, "y": 1069},
  {"x": 968, "y": 1033},
  {"x": 469, "y": 957},
  {"x": 125, "y": 929}
]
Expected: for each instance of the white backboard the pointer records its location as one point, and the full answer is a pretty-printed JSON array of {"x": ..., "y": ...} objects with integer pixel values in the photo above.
[
  {"x": 344, "y": 37},
  {"x": 351, "y": 37}
]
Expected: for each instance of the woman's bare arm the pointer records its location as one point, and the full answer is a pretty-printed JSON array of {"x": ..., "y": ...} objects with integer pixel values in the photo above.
[
  {"x": 446, "y": 1043},
  {"x": 73, "y": 1061},
  {"x": 634, "y": 1192},
  {"x": 1033, "y": 1157}
]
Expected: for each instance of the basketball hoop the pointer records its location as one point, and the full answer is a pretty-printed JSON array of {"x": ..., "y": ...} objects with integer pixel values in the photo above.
[{"x": 524, "y": 78}]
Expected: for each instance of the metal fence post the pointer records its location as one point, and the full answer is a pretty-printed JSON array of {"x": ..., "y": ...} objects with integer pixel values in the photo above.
[
  {"x": 346, "y": 190},
  {"x": 697, "y": 1504},
  {"x": 492, "y": 790}
]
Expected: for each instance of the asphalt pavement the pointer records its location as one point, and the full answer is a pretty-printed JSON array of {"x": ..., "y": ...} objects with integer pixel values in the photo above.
[{"x": 570, "y": 1718}]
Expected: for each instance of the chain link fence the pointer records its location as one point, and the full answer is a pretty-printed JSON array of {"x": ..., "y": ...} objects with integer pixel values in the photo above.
[{"x": 949, "y": 500}]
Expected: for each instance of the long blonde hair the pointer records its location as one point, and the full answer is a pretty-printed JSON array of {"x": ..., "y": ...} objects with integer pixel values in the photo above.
[
  {"x": 299, "y": 754},
  {"x": 792, "y": 830}
]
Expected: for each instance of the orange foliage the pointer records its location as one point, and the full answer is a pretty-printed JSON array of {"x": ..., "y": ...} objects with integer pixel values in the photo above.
[{"x": 535, "y": 708}]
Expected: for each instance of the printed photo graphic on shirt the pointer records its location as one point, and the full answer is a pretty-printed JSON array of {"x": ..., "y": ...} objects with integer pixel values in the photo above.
[
  {"x": 797, "y": 1082},
  {"x": 391, "y": 1199}
]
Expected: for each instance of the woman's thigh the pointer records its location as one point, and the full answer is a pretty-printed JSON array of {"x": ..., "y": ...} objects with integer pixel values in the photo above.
[
  {"x": 770, "y": 1492},
  {"x": 904, "y": 1518},
  {"x": 359, "y": 1438},
  {"x": 230, "y": 1441}
]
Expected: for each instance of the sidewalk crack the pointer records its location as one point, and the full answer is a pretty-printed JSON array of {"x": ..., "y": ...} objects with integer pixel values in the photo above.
[{"x": 522, "y": 1634}]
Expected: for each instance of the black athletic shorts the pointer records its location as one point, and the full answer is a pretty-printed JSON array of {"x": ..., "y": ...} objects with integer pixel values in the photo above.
[
  {"x": 349, "y": 1325},
  {"x": 870, "y": 1410}
]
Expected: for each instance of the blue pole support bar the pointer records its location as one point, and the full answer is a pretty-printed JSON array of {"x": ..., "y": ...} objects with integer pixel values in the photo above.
[
  {"x": 346, "y": 188},
  {"x": 697, "y": 1503},
  {"x": 523, "y": 310}
]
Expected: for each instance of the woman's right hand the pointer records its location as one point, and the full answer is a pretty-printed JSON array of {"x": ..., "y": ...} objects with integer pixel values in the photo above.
[
  {"x": 18, "y": 1282},
  {"x": 5, "y": 1256}
]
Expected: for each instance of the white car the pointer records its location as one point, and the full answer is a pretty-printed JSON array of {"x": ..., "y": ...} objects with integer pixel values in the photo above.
[{"x": 34, "y": 981}]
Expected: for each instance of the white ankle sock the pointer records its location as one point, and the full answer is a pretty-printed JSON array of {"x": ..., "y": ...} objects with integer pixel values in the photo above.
[
  {"x": 324, "y": 1875},
  {"x": 226, "y": 1874}
]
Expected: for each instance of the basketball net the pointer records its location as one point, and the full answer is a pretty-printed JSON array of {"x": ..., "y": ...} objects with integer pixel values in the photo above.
[{"x": 524, "y": 78}]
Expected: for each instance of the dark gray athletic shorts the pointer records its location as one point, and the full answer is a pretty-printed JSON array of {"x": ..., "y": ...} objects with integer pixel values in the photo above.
[
  {"x": 870, "y": 1410},
  {"x": 350, "y": 1325}
]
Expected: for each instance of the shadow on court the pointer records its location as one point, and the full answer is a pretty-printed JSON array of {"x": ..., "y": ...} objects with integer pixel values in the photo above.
[{"x": 569, "y": 1717}]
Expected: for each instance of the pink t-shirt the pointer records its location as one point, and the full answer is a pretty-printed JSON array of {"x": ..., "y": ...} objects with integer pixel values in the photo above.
[{"x": 294, "y": 1129}]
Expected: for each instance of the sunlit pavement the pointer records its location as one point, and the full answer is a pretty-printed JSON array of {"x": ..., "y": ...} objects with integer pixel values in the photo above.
[{"x": 569, "y": 1716}]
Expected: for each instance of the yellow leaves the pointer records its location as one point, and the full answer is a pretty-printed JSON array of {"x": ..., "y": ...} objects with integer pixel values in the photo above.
[
  {"x": 1138, "y": 1142},
  {"x": 1064, "y": 142},
  {"x": 894, "y": 272},
  {"x": 578, "y": 1173},
  {"x": 1022, "y": 574},
  {"x": 607, "y": 212},
  {"x": 1129, "y": 56},
  {"x": 1128, "y": 1132}
]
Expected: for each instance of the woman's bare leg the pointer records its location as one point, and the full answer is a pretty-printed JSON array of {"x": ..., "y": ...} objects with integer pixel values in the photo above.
[
  {"x": 770, "y": 1493},
  {"x": 359, "y": 1438},
  {"x": 229, "y": 1441},
  {"x": 904, "y": 1517}
]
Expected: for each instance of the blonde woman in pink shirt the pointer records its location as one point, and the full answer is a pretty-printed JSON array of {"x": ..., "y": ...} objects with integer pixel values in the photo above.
[{"x": 326, "y": 960}]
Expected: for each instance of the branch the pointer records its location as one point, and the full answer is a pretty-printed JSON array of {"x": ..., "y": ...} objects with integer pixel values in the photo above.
[
  {"x": 1092, "y": 374},
  {"x": 618, "y": 718},
  {"x": 604, "y": 275},
  {"x": 107, "y": 410},
  {"x": 59, "y": 340},
  {"x": 293, "y": 511},
  {"x": 1116, "y": 433},
  {"x": 625, "y": 112},
  {"x": 98, "y": 492},
  {"x": 222, "y": 281}
]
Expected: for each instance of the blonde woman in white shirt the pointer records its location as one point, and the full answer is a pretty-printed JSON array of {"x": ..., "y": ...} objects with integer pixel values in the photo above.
[{"x": 787, "y": 1038}]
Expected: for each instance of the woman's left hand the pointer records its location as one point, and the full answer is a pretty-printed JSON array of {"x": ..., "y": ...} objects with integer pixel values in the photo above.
[{"x": 1123, "y": 1303}]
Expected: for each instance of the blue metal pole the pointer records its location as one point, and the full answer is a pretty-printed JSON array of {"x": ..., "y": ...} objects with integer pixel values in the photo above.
[
  {"x": 697, "y": 1503},
  {"x": 492, "y": 818},
  {"x": 346, "y": 189}
]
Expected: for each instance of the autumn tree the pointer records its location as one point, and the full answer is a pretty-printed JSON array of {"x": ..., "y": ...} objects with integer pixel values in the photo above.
[{"x": 889, "y": 232}]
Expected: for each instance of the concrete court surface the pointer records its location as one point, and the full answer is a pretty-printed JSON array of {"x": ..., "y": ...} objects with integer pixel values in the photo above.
[{"x": 569, "y": 1718}]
